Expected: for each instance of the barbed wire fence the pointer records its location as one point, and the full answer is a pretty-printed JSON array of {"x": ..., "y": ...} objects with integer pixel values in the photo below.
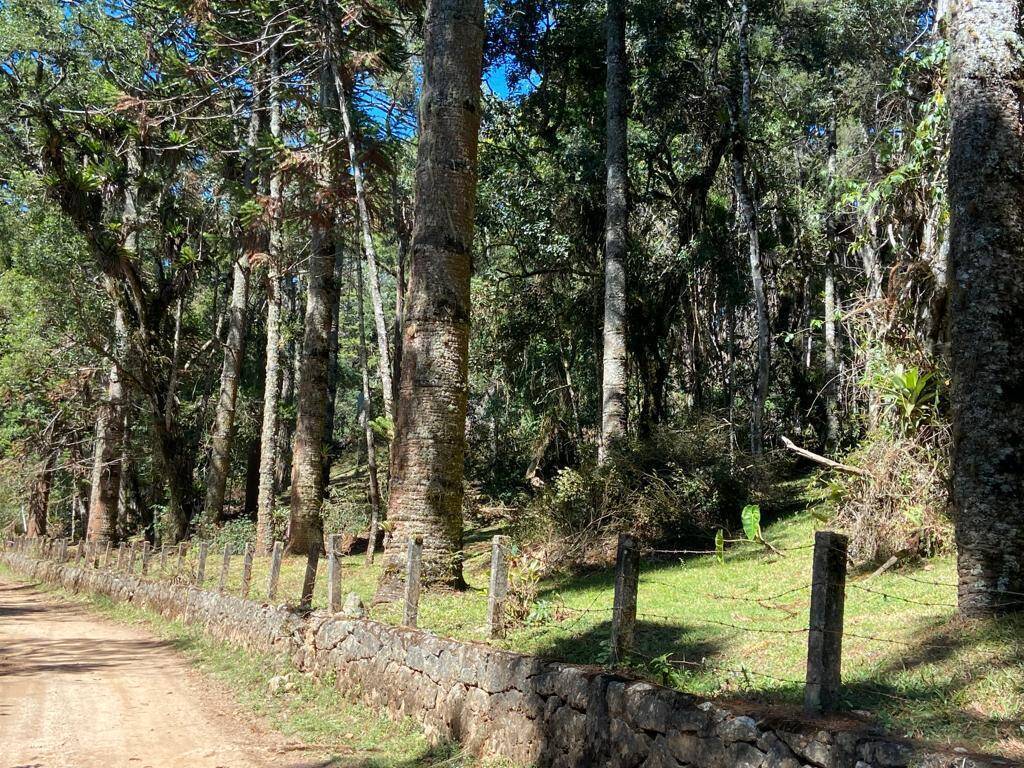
[{"x": 828, "y": 590}]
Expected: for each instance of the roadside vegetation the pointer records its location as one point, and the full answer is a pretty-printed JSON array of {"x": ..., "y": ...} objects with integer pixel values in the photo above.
[{"x": 734, "y": 627}]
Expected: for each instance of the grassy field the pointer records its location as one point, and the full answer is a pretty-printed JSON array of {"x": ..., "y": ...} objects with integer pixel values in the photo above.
[{"x": 738, "y": 629}]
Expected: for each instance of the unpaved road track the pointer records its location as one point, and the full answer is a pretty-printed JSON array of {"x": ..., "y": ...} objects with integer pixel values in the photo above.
[{"x": 83, "y": 692}]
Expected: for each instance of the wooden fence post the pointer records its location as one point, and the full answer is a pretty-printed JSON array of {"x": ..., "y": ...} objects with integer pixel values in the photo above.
[
  {"x": 204, "y": 548},
  {"x": 275, "y": 569},
  {"x": 162, "y": 563},
  {"x": 333, "y": 573},
  {"x": 80, "y": 554},
  {"x": 413, "y": 566},
  {"x": 627, "y": 580},
  {"x": 225, "y": 566},
  {"x": 498, "y": 587},
  {"x": 246, "y": 570},
  {"x": 309, "y": 580},
  {"x": 825, "y": 632},
  {"x": 120, "y": 556},
  {"x": 145, "y": 557},
  {"x": 182, "y": 547},
  {"x": 108, "y": 554}
]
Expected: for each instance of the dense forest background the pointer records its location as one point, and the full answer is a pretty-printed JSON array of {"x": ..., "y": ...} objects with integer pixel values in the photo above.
[{"x": 201, "y": 200}]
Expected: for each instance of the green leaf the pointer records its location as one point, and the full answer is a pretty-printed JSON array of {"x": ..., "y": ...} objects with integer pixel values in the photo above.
[
  {"x": 720, "y": 546},
  {"x": 751, "y": 517}
]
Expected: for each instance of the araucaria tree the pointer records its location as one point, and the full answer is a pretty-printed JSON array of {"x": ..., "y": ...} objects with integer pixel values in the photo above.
[
  {"x": 429, "y": 446},
  {"x": 614, "y": 403},
  {"x": 986, "y": 276}
]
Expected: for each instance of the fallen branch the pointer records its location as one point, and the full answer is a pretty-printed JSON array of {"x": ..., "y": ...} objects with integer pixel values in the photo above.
[{"x": 818, "y": 459}]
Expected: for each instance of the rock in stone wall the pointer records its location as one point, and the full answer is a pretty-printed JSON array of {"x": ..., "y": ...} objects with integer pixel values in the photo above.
[{"x": 530, "y": 711}]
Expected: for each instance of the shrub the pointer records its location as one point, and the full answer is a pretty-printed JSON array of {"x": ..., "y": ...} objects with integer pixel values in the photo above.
[
  {"x": 901, "y": 507},
  {"x": 677, "y": 485}
]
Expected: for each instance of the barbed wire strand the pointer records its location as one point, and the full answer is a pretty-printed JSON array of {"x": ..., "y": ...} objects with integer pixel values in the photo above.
[{"x": 901, "y": 598}]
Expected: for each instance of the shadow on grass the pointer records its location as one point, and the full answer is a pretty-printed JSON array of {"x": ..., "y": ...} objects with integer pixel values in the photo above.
[
  {"x": 591, "y": 644},
  {"x": 951, "y": 683}
]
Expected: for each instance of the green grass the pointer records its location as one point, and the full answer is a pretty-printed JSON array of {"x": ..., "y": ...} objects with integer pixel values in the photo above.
[{"x": 736, "y": 629}]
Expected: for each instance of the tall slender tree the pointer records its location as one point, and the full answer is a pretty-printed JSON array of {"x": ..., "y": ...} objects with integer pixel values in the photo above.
[
  {"x": 986, "y": 278},
  {"x": 272, "y": 383},
  {"x": 746, "y": 208},
  {"x": 379, "y": 323},
  {"x": 305, "y": 525},
  {"x": 616, "y": 233},
  {"x": 365, "y": 416},
  {"x": 429, "y": 446}
]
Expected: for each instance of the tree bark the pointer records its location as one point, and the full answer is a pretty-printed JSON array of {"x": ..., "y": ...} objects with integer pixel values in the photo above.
[
  {"x": 174, "y": 462},
  {"x": 39, "y": 495},
  {"x": 747, "y": 211},
  {"x": 293, "y": 292},
  {"x": 986, "y": 276},
  {"x": 305, "y": 524},
  {"x": 429, "y": 446},
  {"x": 613, "y": 375},
  {"x": 105, "y": 492},
  {"x": 365, "y": 416},
  {"x": 398, "y": 212},
  {"x": 272, "y": 383},
  {"x": 831, "y": 359},
  {"x": 231, "y": 371}
]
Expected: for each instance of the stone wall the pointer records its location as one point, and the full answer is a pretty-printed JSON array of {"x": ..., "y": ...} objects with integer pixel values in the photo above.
[{"x": 497, "y": 703}]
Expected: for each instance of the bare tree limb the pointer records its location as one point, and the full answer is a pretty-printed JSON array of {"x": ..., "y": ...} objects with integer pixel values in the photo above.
[{"x": 818, "y": 459}]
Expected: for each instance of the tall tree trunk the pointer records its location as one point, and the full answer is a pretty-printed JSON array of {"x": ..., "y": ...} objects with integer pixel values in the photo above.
[
  {"x": 616, "y": 234},
  {"x": 429, "y": 446},
  {"x": 986, "y": 276},
  {"x": 291, "y": 319},
  {"x": 272, "y": 384},
  {"x": 334, "y": 299},
  {"x": 39, "y": 495},
  {"x": 174, "y": 462},
  {"x": 305, "y": 524},
  {"x": 125, "y": 514},
  {"x": 231, "y": 371},
  {"x": 745, "y": 206},
  {"x": 79, "y": 468},
  {"x": 380, "y": 324},
  {"x": 365, "y": 416},
  {"x": 831, "y": 358},
  {"x": 234, "y": 348},
  {"x": 831, "y": 304},
  {"x": 105, "y": 492},
  {"x": 402, "y": 233}
]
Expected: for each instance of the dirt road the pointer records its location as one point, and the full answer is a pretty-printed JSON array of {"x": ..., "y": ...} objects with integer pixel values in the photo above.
[{"x": 83, "y": 692}]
